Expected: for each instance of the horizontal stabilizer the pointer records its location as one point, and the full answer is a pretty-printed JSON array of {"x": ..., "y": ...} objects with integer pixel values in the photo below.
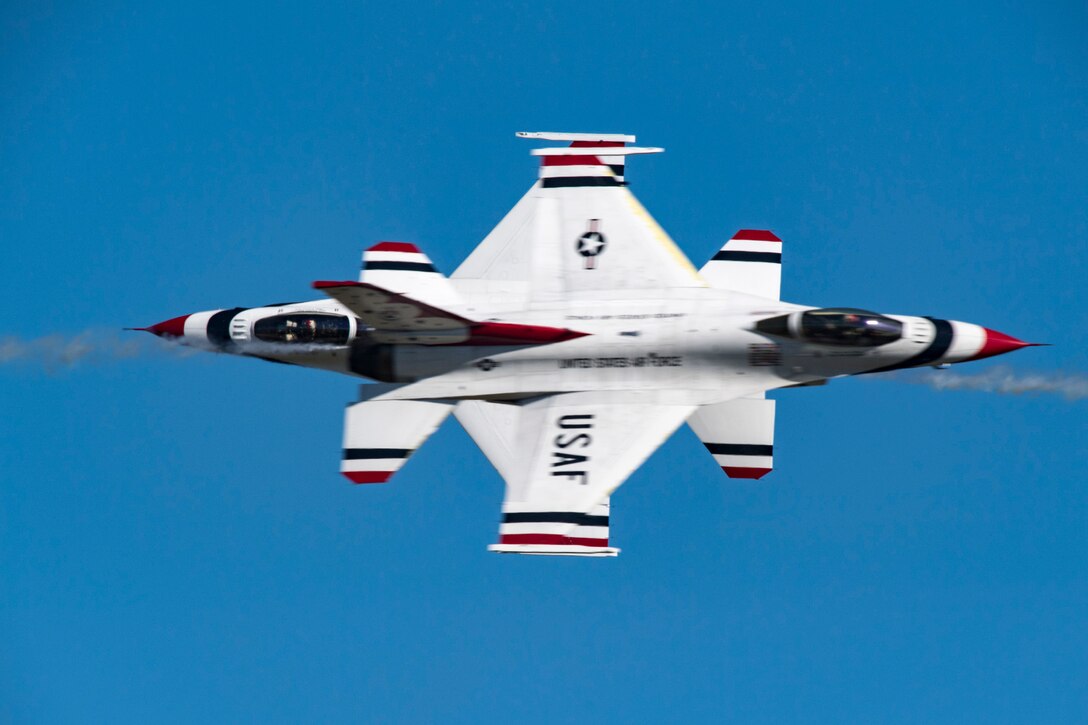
[
  {"x": 750, "y": 262},
  {"x": 380, "y": 435},
  {"x": 739, "y": 434},
  {"x": 403, "y": 268}
]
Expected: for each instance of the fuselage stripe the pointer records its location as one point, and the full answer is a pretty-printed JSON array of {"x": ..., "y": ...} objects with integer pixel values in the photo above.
[
  {"x": 942, "y": 340},
  {"x": 218, "y": 327}
]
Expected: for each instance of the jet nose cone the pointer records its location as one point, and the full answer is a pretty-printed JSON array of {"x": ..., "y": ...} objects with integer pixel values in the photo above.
[
  {"x": 998, "y": 343},
  {"x": 174, "y": 327}
]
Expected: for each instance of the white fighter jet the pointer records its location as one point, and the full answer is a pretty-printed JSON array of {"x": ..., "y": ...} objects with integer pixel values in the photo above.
[{"x": 571, "y": 344}]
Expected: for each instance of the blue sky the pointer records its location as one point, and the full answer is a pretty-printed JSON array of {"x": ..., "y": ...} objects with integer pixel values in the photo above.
[{"x": 176, "y": 544}]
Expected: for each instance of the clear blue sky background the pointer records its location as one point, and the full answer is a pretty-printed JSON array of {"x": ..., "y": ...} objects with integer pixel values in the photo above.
[{"x": 177, "y": 546}]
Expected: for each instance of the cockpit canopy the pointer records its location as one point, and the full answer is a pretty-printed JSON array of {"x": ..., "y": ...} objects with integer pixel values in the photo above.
[
  {"x": 842, "y": 326},
  {"x": 847, "y": 326},
  {"x": 304, "y": 328}
]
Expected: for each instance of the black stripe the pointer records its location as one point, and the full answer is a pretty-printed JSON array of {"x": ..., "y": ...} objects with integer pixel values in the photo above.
[
  {"x": 358, "y": 454},
  {"x": 406, "y": 266},
  {"x": 727, "y": 256},
  {"x": 942, "y": 340},
  {"x": 739, "y": 449},
  {"x": 555, "y": 517},
  {"x": 562, "y": 182},
  {"x": 219, "y": 327},
  {"x": 617, "y": 169}
]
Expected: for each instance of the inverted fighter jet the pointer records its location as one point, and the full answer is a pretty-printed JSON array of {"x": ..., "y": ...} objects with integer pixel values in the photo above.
[{"x": 573, "y": 342}]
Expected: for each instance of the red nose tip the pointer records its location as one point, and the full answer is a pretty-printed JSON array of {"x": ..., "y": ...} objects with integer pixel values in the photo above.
[
  {"x": 998, "y": 343},
  {"x": 170, "y": 328}
]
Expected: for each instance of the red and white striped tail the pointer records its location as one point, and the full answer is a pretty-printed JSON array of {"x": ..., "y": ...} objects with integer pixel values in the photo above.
[
  {"x": 592, "y": 159},
  {"x": 750, "y": 262},
  {"x": 554, "y": 533},
  {"x": 739, "y": 434},
  {"x": 401, "y": 267},
  {"x": 380, "y": 435}
]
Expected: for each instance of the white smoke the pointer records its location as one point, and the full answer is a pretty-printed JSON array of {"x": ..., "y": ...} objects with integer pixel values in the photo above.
[
  {"x": 282, "y": 349},
  {"x": 58, "y": 352},
  {"x": 1003, "y": 380}
]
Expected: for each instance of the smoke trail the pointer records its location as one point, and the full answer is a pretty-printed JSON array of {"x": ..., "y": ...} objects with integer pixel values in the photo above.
[
  {"x": 57, "y": 352},
  {"x": 1003, "y": 380}
]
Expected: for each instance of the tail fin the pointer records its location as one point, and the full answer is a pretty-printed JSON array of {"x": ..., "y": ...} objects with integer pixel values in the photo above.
[
  {"x": 601, "y": 141},
  {"x": 739, "y": 434},
  {"x": 402, "y": 267},
  {"x": 380, "y": 435},
  {"x": 750, "y": 262}
]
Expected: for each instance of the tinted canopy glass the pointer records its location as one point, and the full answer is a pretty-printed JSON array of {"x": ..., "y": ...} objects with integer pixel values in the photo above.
[
  {"x": 845, "y": 326},
  {"x": 303, "y": 328}
]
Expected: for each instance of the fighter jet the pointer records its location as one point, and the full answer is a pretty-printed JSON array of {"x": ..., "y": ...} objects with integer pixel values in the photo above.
[{"x": 571, "y": 343}]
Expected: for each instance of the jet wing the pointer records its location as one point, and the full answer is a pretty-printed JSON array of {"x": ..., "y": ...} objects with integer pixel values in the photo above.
[
  {"x": 396, "y": 316},
  {"x": 398, "y": 319},
  {"x": 578, "y": 230},
  {"x": 561, "y": 456}
]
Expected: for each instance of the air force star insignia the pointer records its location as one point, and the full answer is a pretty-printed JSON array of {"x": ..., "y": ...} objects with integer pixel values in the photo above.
[{"x": 591, "y": 243}]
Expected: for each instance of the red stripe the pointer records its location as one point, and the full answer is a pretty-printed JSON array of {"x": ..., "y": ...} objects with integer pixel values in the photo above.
[
  {"x": 507, "y": 333},
  {"x": 367, "y": 476},
  {"x": 742, "y": 472},
  {"x": 756, "y": 235},
  {"x": 551, "y": 539},
  {"x": 570, "y": 161},
  {"x": 394, "y": 247}
]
